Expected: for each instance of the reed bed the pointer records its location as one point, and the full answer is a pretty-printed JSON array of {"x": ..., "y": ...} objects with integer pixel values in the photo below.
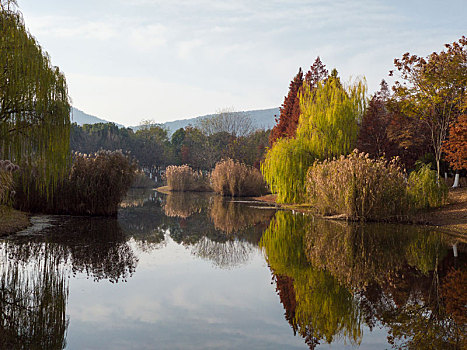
[
  {"x": 359, "y": 187},
  {"x": 184, "y": 178},
  {"x": 7, "y": 168},
  {"x": 235, "y": 179},
  {"x": 96, "y": 185}
]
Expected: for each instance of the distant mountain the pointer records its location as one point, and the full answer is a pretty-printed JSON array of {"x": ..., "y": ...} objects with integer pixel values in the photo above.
[
  {"x": 262, "y": 119},
  {"x": 80, "y": 118}
]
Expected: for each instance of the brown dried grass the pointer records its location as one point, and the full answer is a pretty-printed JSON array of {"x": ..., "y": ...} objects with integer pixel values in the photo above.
[
  {"x": 232, "y": 178},
  {"x": 183, "y": 178},
  {"x": 359, "y": 187}
]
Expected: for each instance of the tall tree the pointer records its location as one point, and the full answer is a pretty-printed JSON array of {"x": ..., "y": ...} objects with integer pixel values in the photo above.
[
  {"x": 328, "y": 128},
  {"x": 227, "y": 120},
  {"x": 34, "y": 105},
  {"x": 433, "y": 89},
  {"x": 287, "y": 123},
  {"x": 372, "y": 137}
]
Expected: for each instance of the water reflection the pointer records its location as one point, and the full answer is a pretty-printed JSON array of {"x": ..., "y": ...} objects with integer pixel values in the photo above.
[
  {"x": 179, "y": 204},
  {"x": 33, "y": 298},
  {"x": 231, "y": 217},
  {"x": 333, "y": 278},
  {"x": 335, "y": 281}
]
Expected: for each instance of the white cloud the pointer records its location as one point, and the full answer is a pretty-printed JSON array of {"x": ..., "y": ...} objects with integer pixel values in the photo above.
[{"x": 149, "y": 36}]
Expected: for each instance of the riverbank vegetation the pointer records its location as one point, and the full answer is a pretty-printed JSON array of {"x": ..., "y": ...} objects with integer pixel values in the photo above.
[
  {"x": 235, "y": 179},
  {"x": 421, "y": 124},
  {"x": 359, "y": 187},
  {"x": 95, "y": 185},
  {"x": 228, "y": 178}
]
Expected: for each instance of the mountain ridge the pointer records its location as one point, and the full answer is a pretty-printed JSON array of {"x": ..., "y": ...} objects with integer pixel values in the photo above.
[{"x": 262, "y": 119}]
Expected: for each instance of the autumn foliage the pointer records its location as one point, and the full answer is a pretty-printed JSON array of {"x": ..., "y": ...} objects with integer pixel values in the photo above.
[
  {"x": 287, "y": 122},
  {"x": 456, "y": 146}
]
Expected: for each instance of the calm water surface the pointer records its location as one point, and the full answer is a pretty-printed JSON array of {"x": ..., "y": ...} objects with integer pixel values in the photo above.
[{"x": 192, "y": 271}]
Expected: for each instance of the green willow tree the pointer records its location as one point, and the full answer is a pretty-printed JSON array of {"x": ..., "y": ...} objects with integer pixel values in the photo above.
[
  {"x": 328, "y": 127},
  {"x": 34, "y": 105}
]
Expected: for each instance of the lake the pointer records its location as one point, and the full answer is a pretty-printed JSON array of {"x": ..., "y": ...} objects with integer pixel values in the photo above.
[{"x": 196, "y": 271}]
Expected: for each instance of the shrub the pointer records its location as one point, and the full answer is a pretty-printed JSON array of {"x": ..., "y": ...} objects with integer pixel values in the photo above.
[
  {"x": 424, "y": 190},
  {"x": 6, "y": 180},
  {"x": 359, "y": 187},
  {"x": 184, "y": 178},
  {"x": 231, "y": 178},
  {"x": 96, "y": 185}
]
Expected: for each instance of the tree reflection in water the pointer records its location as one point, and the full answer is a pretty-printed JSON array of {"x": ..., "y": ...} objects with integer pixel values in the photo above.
[
  {"x": 333, "y": 277},
  {"x": 33, "y": 298},
  {"x": 33, "y": 270},
  {"x": 226, "y": 254}
]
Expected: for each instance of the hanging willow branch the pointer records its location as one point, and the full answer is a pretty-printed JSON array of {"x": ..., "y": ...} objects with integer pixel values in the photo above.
[{"x": 34, "y": 105}]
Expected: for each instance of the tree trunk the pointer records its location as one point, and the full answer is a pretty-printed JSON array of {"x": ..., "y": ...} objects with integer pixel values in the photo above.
[{"x": 456, "y": 180}]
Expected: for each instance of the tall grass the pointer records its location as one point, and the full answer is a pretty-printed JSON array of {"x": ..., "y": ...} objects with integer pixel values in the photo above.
[
  {"x": 7, "y": 169},
  {"x": 424, "y": 190},
  {"x": 184, "y": 178},
  {"x": 95, "y": 186},
  {"x": 359, "y": 187},
  {"x": 232, "y": 178}
]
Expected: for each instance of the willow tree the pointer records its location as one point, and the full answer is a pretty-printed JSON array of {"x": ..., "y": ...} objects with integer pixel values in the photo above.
[
  {"x": 34, "y": 105},
  {"x": 327, "y": 128}
]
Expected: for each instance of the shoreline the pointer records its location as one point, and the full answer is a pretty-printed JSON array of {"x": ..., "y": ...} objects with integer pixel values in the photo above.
[
  {"x": 12, "y": 221},
  {"x": 450, "y": 218}
]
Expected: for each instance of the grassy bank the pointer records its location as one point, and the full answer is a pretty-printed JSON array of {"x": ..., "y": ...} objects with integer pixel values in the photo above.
[
  {"x": 12, "y": 221},
  {"x": 451, "y": 218}
]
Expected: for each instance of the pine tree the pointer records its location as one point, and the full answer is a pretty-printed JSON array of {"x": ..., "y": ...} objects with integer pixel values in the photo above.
[{"x": 289, "y": 111}]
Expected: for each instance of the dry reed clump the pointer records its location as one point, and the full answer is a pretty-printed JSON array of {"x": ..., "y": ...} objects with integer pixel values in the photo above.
[
  {"x": 184, "y": 178},
  {"x": 95, "y": 186},
  {"x": 232, "y": 178},
  {"x": 424, "y": 190},
  {"x": 359, "y": 187},
  {"x": 7, "y": 168},
  {"x": 98, "y": 182}
]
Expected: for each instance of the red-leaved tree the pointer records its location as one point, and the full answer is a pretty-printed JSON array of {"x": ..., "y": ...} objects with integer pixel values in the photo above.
[
  {"x": 456, "y": 146},
  {"x": 287, "y": 123}
]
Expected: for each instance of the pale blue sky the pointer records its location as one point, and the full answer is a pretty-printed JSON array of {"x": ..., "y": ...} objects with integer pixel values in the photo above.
[{"x": 164, "y": 60}]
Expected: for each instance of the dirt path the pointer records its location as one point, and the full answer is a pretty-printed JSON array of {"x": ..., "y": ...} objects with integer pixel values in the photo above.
[{"x": 451, "y": 217}]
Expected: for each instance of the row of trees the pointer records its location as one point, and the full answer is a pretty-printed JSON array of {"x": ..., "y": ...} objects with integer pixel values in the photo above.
[
  {"x": 225, "y": 135},
  {"x": 423, "y": 119}
]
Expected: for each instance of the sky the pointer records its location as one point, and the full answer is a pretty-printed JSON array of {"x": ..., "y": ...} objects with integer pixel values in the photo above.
[{"x": 133, "y": 60}]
